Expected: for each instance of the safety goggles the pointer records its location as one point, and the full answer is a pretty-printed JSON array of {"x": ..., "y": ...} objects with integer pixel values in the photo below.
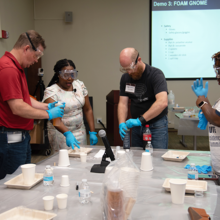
[
  {"x": 217, "y": 71},
  {"x": 66, "y": 74},
  {"x": 38, "y": 52},
  {"x": 130, "y": 68}
]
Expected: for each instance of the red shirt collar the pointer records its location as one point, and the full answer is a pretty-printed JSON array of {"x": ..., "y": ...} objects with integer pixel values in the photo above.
[{"x": 9, "y": 55}]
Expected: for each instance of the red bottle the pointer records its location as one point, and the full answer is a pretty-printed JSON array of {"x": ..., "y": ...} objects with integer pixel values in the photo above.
[{"x": 147, "y": 134}]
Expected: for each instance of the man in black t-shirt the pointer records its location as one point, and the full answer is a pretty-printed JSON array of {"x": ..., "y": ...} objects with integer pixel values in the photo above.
[{"x": 147, "y": 88}]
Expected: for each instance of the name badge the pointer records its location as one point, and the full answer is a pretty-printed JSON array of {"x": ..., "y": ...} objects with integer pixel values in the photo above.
[
  {"x": 130, "y": 88},
  {"x": 14, "y": 137}
]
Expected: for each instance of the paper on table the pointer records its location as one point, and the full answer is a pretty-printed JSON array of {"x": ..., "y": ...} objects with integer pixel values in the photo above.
[{"x": 100, "y": 154}]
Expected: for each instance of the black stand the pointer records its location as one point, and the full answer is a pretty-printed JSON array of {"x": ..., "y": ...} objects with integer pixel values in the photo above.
[
  {"x": 100, "y": 168},
  {"x": 42, "y": 88}
]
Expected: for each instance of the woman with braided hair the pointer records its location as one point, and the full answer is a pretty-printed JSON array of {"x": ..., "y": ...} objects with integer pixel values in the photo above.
[{"x": 65, "y": 87}]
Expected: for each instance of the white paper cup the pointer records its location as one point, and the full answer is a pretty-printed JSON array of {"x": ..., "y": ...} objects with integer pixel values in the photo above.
[
  {"x": 62, "y": 200},
  {"x": 177, "y": 188},
  {"x": 120, "y": 153},
  {"x": 146, "y": 162},
  {"x": 63, "y": 158},
  {"x": 118, "y": 148},
  {"x": 65, "y": 180},
  {"x": 28, "y": 171},
  {"x": 83, "y": 157},
  {"x": 48, "y": 202}
]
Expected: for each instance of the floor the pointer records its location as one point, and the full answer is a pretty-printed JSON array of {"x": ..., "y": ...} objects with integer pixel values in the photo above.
[{"x": 174, "y": 143}]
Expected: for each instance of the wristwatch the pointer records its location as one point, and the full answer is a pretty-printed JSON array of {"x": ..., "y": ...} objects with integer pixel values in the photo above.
[
  {"x": 202, "y": 103},
  {"x": 142, "y": 120}
]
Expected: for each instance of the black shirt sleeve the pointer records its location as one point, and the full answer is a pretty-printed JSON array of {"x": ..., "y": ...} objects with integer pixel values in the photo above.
[{"x": 159, "y": 81}]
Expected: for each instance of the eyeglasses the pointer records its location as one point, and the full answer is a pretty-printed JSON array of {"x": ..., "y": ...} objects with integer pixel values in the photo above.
[
  {"x": 217, "y": 71},
  {"x": 131, "y": 67},
  {"x": 38, "y": 52},
  {"x": 66, "y": 74}
]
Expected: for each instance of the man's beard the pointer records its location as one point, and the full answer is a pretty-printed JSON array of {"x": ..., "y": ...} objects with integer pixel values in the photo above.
[{"x": 137, "y": 74}]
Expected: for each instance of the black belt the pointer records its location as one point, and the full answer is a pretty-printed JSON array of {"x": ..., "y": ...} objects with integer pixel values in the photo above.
[{"x": 2, "y": 128}]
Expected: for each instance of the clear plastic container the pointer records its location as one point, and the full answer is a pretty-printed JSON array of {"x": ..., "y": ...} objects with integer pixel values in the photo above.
[
  {"x": 126, "y": 140},
  {"x": 171, "y": 100},
  {"x": 116, "y": 151},
  {"x": 84, "y": 192},
  {"x": 48, "y": 178},
  {"x": 198, "y": 194},
  {"x": 193, "y": 172},
  {"x": 149, "y": 147}
]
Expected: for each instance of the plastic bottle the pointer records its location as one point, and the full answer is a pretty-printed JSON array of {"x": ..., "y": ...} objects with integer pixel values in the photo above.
[
  {"x": 149, "y": 147},
  {"x": 48, "y": 178},
  {"x": 193, "y": 172},
  {"x": 147, "y": 134},
  {"x": 116, "y": 151},
  {"x": 126, "y": 140},
  {"x": 171, "y": 100},
  {"x": 84, "y": 192}
]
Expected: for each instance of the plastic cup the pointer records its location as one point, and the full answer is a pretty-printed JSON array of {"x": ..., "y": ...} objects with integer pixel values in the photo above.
[
  {"x": 28, "y": 171},
  {"x": 118, "y": 148},
  {"x": 62, "y": 200},
  {"x": 48, "y": 202},
  {"x": 198, "y": 194},
  {"x": 63, "y": 158},
  {"x": 146, "y": 162},
  {"x": 65, "y": 180},
  {"x": 116, "y": 151},
  {"x": 83, "y": 157},
  {"x": 129, "y": 178},
  {"x": 177, "y": 187},
  {"x": 115, "y": 201},
  {"x": 57, "y": 121},
  {"x": 120, "y": 153}
]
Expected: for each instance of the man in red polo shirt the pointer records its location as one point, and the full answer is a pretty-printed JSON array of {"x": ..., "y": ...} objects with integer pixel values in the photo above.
[{"x": 17, "y": 109}]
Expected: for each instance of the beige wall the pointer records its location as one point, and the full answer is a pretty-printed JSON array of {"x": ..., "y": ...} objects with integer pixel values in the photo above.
[
  {"x": 99, "y": 31},
  {"x": 16, "y": 17}
]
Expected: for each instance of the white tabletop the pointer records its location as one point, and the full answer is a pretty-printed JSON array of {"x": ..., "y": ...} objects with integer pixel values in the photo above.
[{"x": 153, "y": 201}]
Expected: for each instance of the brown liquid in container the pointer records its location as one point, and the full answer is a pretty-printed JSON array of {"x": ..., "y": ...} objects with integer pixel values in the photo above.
[{"x": 115, "y": 203}]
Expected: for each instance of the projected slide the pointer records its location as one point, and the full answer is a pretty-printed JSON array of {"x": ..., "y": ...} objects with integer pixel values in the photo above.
[{"x": 184, "y": 36}]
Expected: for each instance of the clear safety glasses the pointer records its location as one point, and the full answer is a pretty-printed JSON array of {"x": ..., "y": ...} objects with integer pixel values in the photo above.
[
  {"x": 131, "y": 67},
  {"x": 38, "y": 52},
  {"x": 217, "y": 71},
  {"x": 66, "y": 74}
]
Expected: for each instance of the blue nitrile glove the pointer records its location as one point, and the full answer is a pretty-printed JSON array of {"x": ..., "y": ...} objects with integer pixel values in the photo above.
[
  {"x": 202, "y": 121},
  {"x": 187, "y": 166},
  {"x": 56, "y": 112},
  {"x": 71, "y": 140},
  {"x": 201, "y": 169},
  {"x": 204, "y": 169},
  {"x": 198, "y": 89},
  {"x": 130, "y": 123},
  {"x": 51, "y": 105},
  {"x": 93, "y": 138},
  {"x": 122, "y": 129}
]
